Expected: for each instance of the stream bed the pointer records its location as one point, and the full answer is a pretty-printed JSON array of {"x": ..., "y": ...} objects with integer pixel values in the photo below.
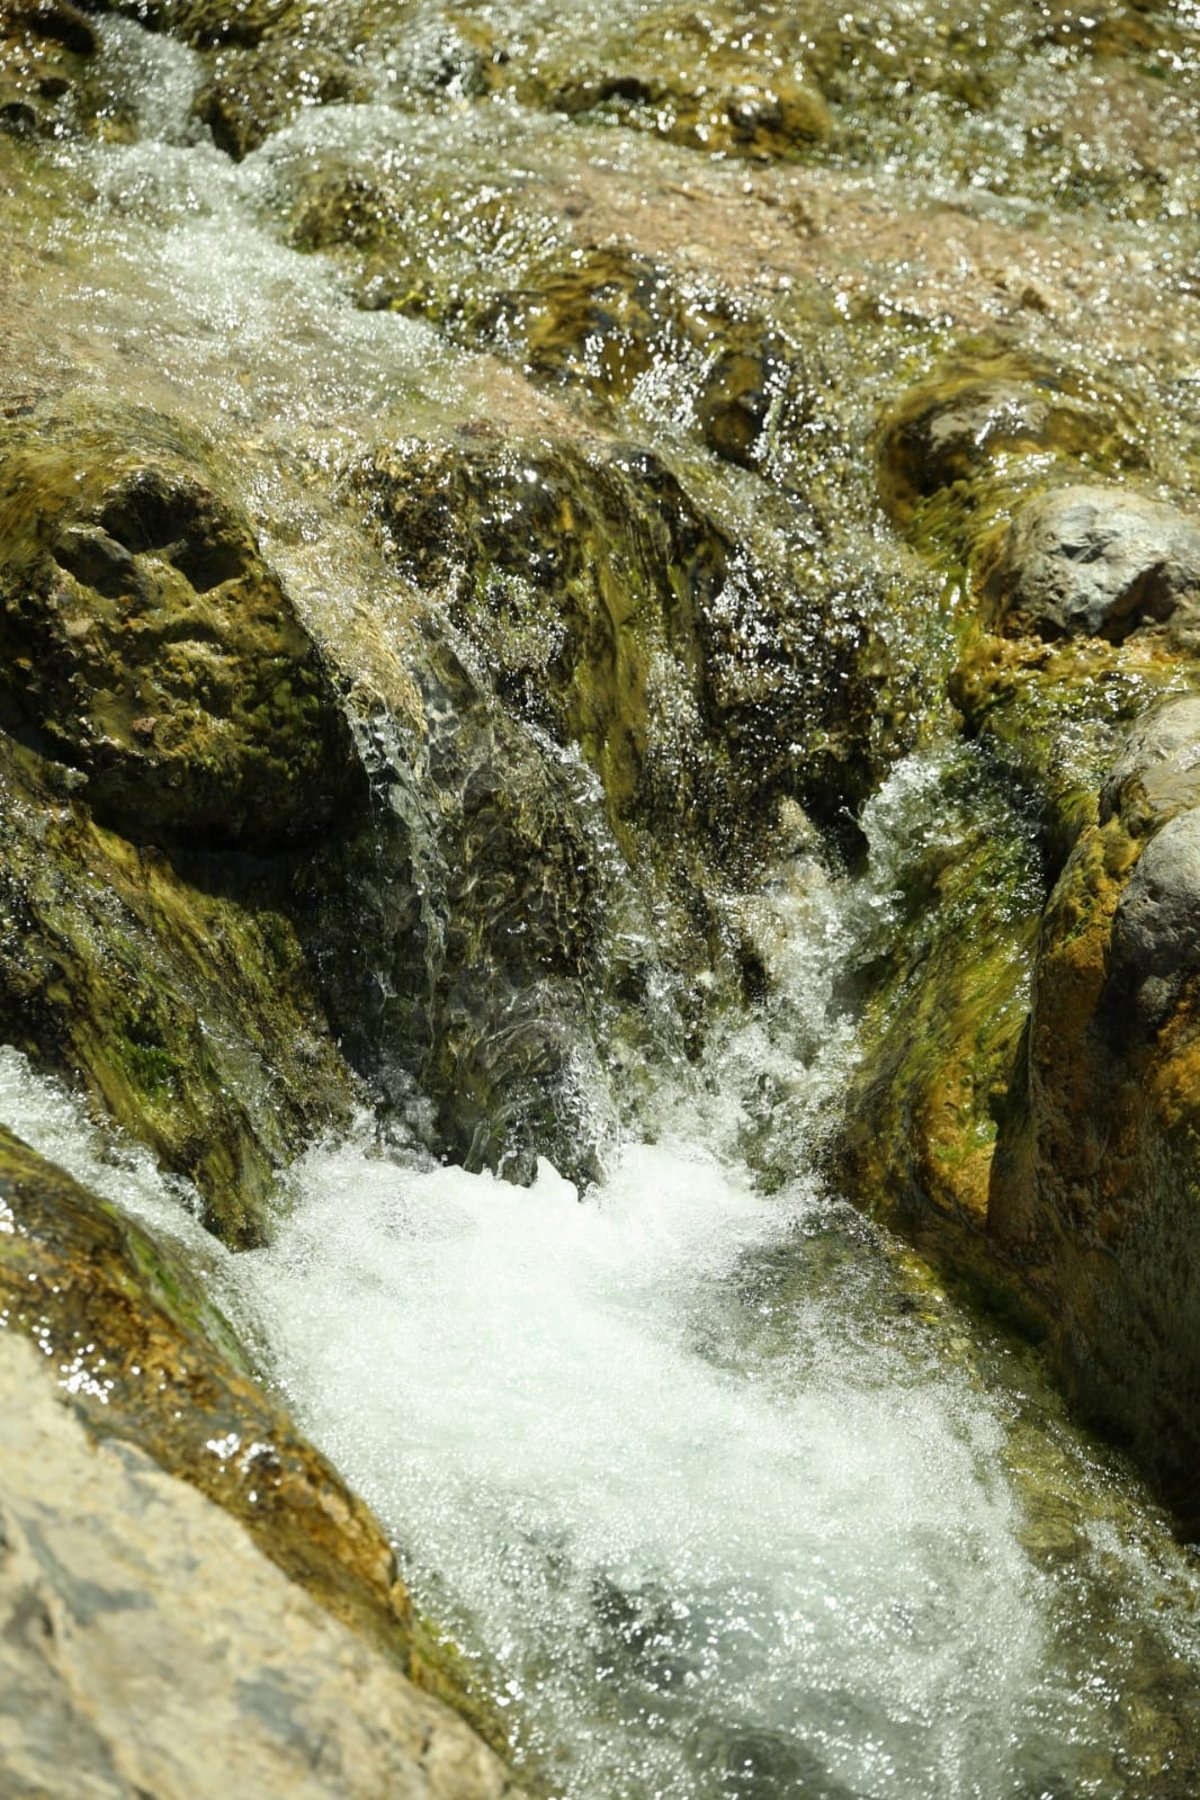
[{"x": 717, "y": 1490}]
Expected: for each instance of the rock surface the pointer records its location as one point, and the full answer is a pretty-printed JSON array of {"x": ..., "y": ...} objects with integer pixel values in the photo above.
[
  {"x": 146, "y": 642},
  {"x": 125, "y": 1324},
  {"x": 1093, "y": 1187},
  {"x": 1102, "y": 562},
  {"x": 146, "y": 1646}
]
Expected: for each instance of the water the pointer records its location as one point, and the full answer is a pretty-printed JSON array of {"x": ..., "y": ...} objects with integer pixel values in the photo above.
[{"x": 715, "y": 1488}]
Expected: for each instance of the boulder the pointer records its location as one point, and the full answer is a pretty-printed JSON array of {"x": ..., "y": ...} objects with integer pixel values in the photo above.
[
  {"x": 1095, "y": 561},
  {"x": 192, "y": 1600},
  {"x": 145, "y": 641},
  {"x": 993, "y": 423}
]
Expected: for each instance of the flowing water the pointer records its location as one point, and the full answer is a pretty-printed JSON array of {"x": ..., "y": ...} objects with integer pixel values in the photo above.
[{"x": 713, "y": 1486}]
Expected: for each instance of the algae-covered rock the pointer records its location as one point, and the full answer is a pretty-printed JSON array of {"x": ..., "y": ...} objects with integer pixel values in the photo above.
[
  {"x": 703, "y": 81},
  {"x": 118, "y": 1537},
  {"x": 144, "y": 641},
  {"x": 184, "y": 1009},
  {"x": 471, "y": 933},
  {"x": 981, "y": 422},
  {"x": 46, "y": 47},
  {"x": 1095, "y": 1182},
  {"x": 940, "y": 1032},
  {"x": 615, "y": 614},
  {"x": 206, "y": 22},
  {"x": 249, "y": 95}
]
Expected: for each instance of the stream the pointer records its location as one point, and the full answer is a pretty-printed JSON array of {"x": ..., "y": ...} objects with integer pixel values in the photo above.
[{"x": 719, "y": 1492}]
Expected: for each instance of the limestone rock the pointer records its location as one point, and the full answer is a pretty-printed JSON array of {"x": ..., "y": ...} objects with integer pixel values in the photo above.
[
  {"x": 146, "y": 1646},
  {"x": 128, "y": 1329},
  {"x": 146, "y": 642},
  {"x": 1099, "y": 561}
]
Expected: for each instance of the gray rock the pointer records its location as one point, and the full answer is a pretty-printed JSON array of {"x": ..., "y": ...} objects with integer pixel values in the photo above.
[
  {"x": 1157, "y": 773},
  {"x": 146, "y": 1647},
  {"x": 1098, "y": 562},
  {"x": 1156, "y": 928}
]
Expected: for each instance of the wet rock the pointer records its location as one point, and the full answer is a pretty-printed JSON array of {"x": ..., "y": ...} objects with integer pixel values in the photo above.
[
  {"x": 614, "y": 614},
  {"x": 57, "y": 21},
  {"x": 251, "y": 94},
  {"x": 183, "y": 1007},
  {"x": 1099, "y": 561},
  {"x": 940, "y": 1031},
  {"x": 206, "y": 22},
  {"x": 1157, "y": 772},
  {"x": 45, "y": 50},
  {"x": 1095, "y": 1172},
  {"x": 472, "y": 932},
  {"x": 980, "y": 419},
  {"x": 695, "y": 80},
  {"x": 116, "y": 1562},
  {"x": 1156, "y": 927},
  {"x": 147, "y": 643}
]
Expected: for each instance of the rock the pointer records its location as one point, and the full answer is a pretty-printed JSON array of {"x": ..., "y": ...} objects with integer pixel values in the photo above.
[
  {"x": 147, "y": 1646},
  {"x": 126, "y": 1324},
  {"x": 57, "y": 21},
  {"x": 1157, "y": 772},
  {"x": 145, "y": 642},
  {"x": 984, "y": 418},
  {"x": 45, "y": 49},
  {"x": 206, "y": 22},
  {"x": 182, "y": 1006},
  {"x": 251, "y": 94},
  {"x": 1156, "y": 927},
  {"x": 940, "y": 1032},
  {"x": 615, "y": 614},
  {"x": 1104, "y": 562},
  {"x": 1095, "y": 1175}
]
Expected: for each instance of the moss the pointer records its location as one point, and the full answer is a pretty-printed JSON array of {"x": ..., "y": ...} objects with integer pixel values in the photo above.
[
  {"x": 195, "y": 1029},
  {"x": 940, "y": 1036}
]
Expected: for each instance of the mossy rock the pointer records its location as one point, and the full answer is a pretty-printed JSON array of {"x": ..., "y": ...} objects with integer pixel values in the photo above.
[
  {"x": 705, "y": 82},
  {"x": 146, "y": 642},
  {"x": 207, "y": 22},
  {"x": 1097, "y": 1168},
  {"x": 474, "y": 933},
  {"x": 941, "y": 1032},
  {"x": 615, "y": 614},
  {"x": 187, "y": 1012},
  {"x": 249, "y": 94},
  {"x": 960, "y": 447},
  {"x": 46, "y": 51},
  {"x": 146, "y": 1357}
]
